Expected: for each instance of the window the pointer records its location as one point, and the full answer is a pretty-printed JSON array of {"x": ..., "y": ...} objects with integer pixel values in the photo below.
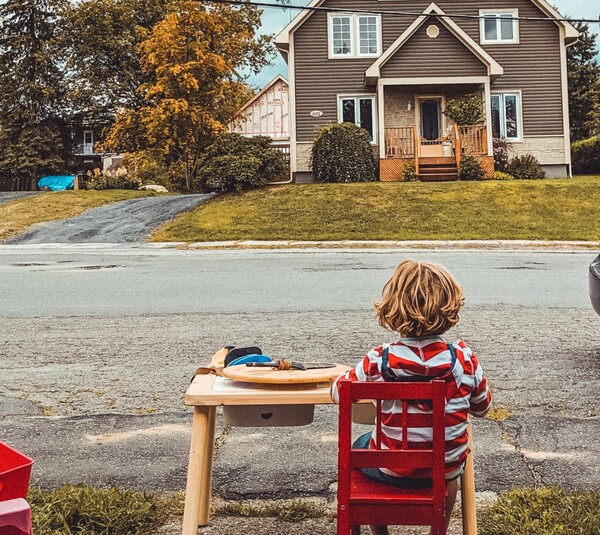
[
  {"x": 499, "y": 27},
  {"x": 359, "y": 110},
  {"x": 506, "y": 116},
  {"x": 354, "y": 36}
]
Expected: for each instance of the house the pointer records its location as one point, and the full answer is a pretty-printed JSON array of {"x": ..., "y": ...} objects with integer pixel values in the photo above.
[
  {"x": 390, "y": 66},
  {"x": 267, "y": 114}
]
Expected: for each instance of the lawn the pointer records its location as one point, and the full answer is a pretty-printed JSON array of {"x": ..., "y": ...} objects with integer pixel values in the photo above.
[
  {"x": 17, "y": 215},
  {"x": 561, "y": 209}
]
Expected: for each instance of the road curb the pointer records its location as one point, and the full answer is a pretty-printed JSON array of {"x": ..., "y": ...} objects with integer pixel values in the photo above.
[{"x": 384, "y": 244}]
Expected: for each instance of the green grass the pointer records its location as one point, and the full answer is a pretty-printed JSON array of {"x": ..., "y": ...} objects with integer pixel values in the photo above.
[
  {"x": 17, "y": 215},
  {"x": 548, "y": 511},
  {"x": 562, "y": 209}
]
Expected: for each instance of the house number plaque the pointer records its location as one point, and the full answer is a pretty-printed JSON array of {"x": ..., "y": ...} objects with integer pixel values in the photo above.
[{"x": 316, "y": 113}]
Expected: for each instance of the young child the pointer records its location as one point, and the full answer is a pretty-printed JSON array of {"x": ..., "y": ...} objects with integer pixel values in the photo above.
[{"x": 421, "y": 302}]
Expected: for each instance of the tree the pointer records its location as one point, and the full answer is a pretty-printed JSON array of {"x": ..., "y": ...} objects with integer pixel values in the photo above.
[
  {"x": 100, "y": 40},
  {"x": 32, "y": 139},
  {"x": 193, "y": 59},
  {"x": 584, "y": 89}
]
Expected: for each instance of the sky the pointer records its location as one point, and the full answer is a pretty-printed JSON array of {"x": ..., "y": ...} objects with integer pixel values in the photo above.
[{"x": 275, "y": 19}]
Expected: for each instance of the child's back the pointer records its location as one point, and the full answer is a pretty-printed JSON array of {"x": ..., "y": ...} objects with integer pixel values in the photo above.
[{"x": 421, "y": 302}]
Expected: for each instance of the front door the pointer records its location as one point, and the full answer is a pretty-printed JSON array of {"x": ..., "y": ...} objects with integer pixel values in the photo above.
[{"x": 430, "y": 119}]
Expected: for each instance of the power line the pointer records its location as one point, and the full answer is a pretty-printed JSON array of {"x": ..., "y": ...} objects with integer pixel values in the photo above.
[{"x": 399, "y": 13}]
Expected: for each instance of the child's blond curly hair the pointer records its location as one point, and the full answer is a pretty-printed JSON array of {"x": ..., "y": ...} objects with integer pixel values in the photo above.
[{"x": 421, "y": 299}]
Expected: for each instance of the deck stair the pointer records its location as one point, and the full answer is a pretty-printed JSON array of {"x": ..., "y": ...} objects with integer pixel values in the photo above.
[{"x": 437, "y": 169}]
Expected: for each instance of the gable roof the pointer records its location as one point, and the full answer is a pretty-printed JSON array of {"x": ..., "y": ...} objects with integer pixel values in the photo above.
[
  {"x": 282, "y": 39},
  {"x": 374, "y": 71},
  {"x": 264, "y": 90}
]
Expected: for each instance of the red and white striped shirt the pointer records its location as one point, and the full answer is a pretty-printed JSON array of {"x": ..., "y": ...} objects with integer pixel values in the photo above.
[{"x": 416, "y": 359}]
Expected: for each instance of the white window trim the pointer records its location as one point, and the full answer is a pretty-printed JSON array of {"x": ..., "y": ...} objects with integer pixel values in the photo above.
[
  {"x": 519, "y": 94},
  {"x": 355, "y": 96},
  {"x": 354, "y": 36},
  {"x": 499, "y": 41}
]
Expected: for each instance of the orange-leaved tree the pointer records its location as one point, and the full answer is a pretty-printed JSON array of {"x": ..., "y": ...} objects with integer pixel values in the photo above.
[{"x": 194, "y": 58}]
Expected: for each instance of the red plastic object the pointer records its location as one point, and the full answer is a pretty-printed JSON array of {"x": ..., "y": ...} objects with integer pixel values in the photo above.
[
  {"x": 15, "y": 471},
  {"x": 362, "y": 501},
  {"x": 15, "y": 517}
]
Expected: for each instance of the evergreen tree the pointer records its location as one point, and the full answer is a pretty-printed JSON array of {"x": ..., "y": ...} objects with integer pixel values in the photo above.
[
  {"x": 584, "y": 88},
  {"x": 32, "y": 139}
]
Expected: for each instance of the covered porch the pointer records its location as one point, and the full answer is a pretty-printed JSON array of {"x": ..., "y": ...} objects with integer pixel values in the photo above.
[{"x": 415, "y": 130}]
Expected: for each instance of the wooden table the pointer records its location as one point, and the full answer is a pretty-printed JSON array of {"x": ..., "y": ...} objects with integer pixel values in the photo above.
[{"x": 209, "y": 391}]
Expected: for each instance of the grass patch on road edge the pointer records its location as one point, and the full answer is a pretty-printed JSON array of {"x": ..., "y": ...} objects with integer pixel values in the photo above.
[
  {"x": 109, "y": 511},
  {"x": 553, "y": 209},
  {"x": 547, "y": 511},
  {"x": 16, "y": 216}
]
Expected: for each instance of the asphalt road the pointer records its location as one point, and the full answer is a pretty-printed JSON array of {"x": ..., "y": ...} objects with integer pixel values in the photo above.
[
  {"x": 123, "y": 222},
  {"x": 98, "y": 345}
]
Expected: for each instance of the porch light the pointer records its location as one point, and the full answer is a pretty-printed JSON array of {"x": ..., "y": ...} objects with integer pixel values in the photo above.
[{"x": 409, "y": 105}]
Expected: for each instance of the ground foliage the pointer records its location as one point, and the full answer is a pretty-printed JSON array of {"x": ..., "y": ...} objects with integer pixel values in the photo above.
[
  {"x": 548, "y": 511},
  {"x": 557, "y": 209},
  {"x": 586, "y": 155},
  {"x": 526, "y": 167},
  {"x": 81, "y": 509},
  {"x": 470, "y": 168},
  {"x": 237, "y": 163},
  {"x": 343, "y": 153}
]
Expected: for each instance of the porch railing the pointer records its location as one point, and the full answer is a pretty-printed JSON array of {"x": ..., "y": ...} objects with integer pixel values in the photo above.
[
  {"x": 474, "y": 139},
  {"x": 400, "y": 142}
]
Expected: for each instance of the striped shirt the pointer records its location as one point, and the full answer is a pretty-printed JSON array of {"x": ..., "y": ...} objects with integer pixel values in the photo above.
[{"x": 416, "y": 359}]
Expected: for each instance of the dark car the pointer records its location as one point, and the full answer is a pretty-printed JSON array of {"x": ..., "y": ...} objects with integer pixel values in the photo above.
[{"x": 595, "y": 284}]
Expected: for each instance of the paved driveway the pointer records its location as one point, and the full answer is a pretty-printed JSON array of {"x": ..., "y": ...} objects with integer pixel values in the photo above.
[
  {"x": 6, "y": 196},
  {"x": 123, "y": 222}
]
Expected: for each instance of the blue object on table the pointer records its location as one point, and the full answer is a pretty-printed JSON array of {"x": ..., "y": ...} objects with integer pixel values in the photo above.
[
  {"x": 57, "y": 183},
  {"x": 251, "y": 358}
]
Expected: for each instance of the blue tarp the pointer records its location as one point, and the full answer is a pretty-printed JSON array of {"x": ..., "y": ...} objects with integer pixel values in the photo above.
[{"x": 57, "y": 183}]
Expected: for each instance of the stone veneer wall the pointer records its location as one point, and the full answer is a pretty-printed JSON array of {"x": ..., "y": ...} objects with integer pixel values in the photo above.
[{"x": 548, "y": 150}]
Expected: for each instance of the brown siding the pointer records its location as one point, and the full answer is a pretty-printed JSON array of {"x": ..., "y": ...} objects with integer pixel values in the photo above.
[
  {"x": 443, "y": 56},
  {"x": 533, "y": 66}
]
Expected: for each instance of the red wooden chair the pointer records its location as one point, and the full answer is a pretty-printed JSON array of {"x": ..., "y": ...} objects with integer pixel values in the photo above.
[{"x": 363, "y": 501}]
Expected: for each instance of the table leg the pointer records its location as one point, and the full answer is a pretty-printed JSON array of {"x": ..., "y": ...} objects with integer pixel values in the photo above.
[
  {"x": 206, "y": 475},
  {"x": 197, "y": 493},
  {"x": 467, "y": 491}
]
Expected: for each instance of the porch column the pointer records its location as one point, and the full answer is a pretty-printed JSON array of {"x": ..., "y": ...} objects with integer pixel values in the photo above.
[
  {"x": 488, "y": 117},
  {"x": 381, "y": 118}
]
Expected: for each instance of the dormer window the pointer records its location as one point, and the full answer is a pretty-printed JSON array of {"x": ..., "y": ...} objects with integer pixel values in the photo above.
[
  {"x": 499, "y": 26},
  {"x": 352, "y": 36}
]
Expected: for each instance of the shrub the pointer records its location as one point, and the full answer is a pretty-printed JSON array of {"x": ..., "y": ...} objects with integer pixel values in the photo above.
[
  {"x": 525, "y": 167},
  {"x": 499, "y": 175},
  {"x": 237, "y": 163},
  {"x": 343, "y": 153},
  {"x": 470, "y": 169},
  {"x": 468, "y": 111},
  {"x": 118, "y": 179},
  {"x": 146, "y": 169},
  {"x": 586, "y": 155},
  {"x": 500, "y": 155},
  {"x": 409, "y": 173}
]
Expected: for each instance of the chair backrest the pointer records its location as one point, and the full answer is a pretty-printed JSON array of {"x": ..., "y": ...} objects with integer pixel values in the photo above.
[{"x": 428, "y": 394}]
